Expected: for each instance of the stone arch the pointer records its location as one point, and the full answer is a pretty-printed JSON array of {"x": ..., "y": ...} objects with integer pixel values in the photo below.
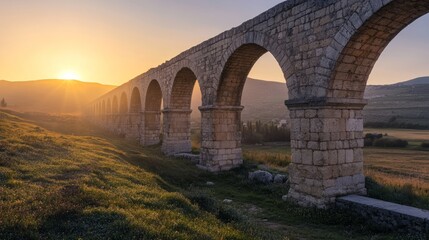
[
  {"x": 123, "y": 104},
  {"x": 177, "y": 117},
  {"x": 152, "y": 114},
  {"x": 181, "y": 92},
  {"x": 235, "y": 73},
  {"x": 222, "y": 136},
  {"x": 335, "y": 114},
  {"x": 135, "y": 102},
  {"x": 249, "y": 48},
  {"x": 99, "y": 109},
  {"x": 103, "y": 108},
  {"x": 153, "y": 96},
  {"x": 115, "y": 105},
  {"x": 109, "y": 107},
  {"x": 134, "y": 119},
  {"x": 362, "y": 39}
]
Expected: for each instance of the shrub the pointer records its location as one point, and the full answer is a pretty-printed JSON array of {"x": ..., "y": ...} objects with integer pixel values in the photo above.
[
  {"x": 370, "y": 138},
  {"x": 373, "y": 136},
  {"x": 390, "y": 142},
  {"x": 258, "y": 132},
  {"x": 368, "y": 142},
  {"x": 425, "y": 145}
]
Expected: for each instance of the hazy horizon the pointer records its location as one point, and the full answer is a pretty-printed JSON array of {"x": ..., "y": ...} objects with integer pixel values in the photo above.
[{"x": 113, "y": 85}]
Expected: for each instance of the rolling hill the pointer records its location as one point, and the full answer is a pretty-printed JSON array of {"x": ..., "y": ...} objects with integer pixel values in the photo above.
[
  {"x": 51, "y": 96},
  {"x": 405, "y": 102},
  {"x": 262, "y": 100},
  {"x": 415, "y": 81}
]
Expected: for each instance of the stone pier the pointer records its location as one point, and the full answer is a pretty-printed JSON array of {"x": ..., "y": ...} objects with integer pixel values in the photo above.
[
  {"x": 152, "y": 128},
  {"x": 133, "y": 129},
  {"x": 327, "y": 151},
  {"x": 177, "y": 131},
  {"x": 221, "y": 138}
]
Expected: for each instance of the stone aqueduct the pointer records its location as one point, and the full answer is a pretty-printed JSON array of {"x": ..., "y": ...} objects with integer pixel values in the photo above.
[{"x": 326, "y": 50}]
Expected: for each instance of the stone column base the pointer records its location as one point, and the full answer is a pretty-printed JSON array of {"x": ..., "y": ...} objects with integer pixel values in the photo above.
[
  {"x": 327, "y": 151},
  {"x": 315, "y": 186},
  {"x": 221, "y": 138},
  {"x": 177, "y": 131},
  {"x": 152, "y": 128},
  {"x": 216, "y": 160},
  {"x": 133, "y": 129}
]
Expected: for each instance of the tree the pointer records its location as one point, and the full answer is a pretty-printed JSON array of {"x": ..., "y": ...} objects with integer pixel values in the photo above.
[{"x": 3, "y": 103}]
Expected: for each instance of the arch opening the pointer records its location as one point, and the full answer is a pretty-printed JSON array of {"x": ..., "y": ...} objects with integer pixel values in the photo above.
[
  {"x": 183, "y": 86},
  {"x": 109, "y": 107},
  {"x": 357, "y": 59},
  {"x": 103, "y": 108},
  {"x": 135, "y": 118},
  {"x": 115, "y": 105},
  {"x": 228, "y": 132},
  {"x": 235, "y": 73},
  {"x": 177, "y": 117},
  {"x": 123, "y": 106},
  {"x": 135, "y": 103},
  {"x": 152, "y": 114},
  {"x": 153, "y": 97},
  {"x": 99, "y": 109}
]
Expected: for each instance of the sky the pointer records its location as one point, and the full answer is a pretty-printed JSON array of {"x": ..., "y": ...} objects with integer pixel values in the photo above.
[{"x": 112, "y": 41}]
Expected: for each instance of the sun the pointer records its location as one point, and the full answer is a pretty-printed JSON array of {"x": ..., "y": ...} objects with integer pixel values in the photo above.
[{"x": 69, "y": 75}]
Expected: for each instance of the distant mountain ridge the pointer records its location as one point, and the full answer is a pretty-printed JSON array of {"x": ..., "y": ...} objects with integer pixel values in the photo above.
[
  {"x": 51, "y": 95},
  {"x": 415, "y": 81}
]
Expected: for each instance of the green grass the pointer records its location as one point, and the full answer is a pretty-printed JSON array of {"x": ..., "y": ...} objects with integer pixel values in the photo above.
[
  {"x": 276, "y": 157},
  {"x": 72, "y": 182},
  {"x": 398, "y": 175},
  {"x": 54, "y": 186}
]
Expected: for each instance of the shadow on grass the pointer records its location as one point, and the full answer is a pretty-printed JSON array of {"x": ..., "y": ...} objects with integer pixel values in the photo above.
[{"x": 93, "y": 225}]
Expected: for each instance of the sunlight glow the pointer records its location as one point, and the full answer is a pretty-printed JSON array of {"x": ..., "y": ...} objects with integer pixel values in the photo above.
[{"x": 69, "y": 75}]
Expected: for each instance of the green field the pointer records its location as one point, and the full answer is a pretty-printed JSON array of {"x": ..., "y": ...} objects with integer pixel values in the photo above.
[{"x": 63, "y": 179}]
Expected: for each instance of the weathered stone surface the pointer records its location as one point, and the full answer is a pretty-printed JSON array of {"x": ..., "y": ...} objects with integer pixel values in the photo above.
[
  {"x": 280, "y": 178},
  {"x": 386, "y": 215},
  {"x": 326, "y": 50},
  {"x": 261, "y": 177},
  {"x": 210, "y": 183}
]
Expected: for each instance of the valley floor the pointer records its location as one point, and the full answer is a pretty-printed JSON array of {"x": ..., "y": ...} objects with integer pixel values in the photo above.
[{"x": 63, "y": 179}]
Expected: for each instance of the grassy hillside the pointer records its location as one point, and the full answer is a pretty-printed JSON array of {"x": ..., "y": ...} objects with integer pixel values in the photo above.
[
  {"x": 75, "y": 182},
  {"x": 55, "y": 186},
  {"x": 51, "y": 96},
  {"x": 400, "y": 103}
]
